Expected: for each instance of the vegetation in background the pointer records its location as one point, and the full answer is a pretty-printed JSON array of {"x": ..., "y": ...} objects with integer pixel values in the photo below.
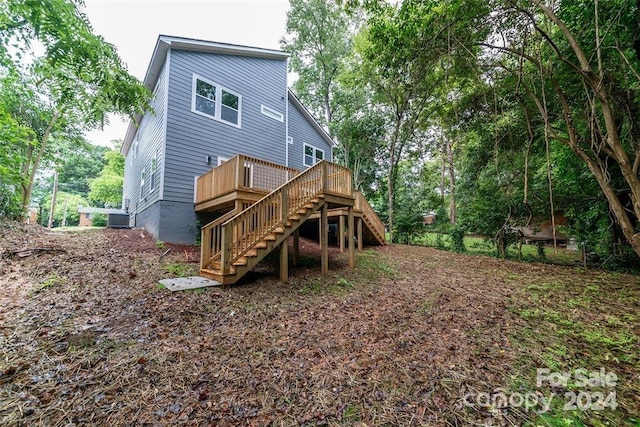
[
  {"x": 509, "y": 113},
  {"x": 51, "y": 99}
]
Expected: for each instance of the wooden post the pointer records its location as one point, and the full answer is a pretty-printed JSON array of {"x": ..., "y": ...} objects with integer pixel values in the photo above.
[
  {"x": 341, "y": 232},
  {"x": 324, "y": 240},
  {"x": 284, "y": 261},
  {"x": 360, "y": 234},
  {"x": 350, "y": 236},
  {"x": 205, "y": 245},
  {"x": 239, "y": 172},
  {"x": 225, "y": 255},
  {"x": 296, "y": 246},
  {"x": 324, "y": 177}
]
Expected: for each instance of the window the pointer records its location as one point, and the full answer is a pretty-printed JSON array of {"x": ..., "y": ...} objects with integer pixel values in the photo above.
[
  {"x": 143, "y": 174},
  {"x": 136, "y": 144},
  {"x": 216, "y": 102},
  {"x": 221, "y": 160},
  {"x": 270, "y": 112},
  {"x": 152, "y": 176},
  {"x": 312, "y": 155},
  {"x": 290, "y": 139}
]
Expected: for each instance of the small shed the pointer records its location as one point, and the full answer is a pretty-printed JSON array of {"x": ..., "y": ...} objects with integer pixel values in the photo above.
[{"x": 87, "y": 214}]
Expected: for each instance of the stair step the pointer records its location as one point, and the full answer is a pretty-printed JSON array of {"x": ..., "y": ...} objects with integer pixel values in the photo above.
[
  {"x": 252, "y": 252},
  {"x": 279, "y": 230},
  {"x": 241, "y": 261},
  {"x": 260, "y": 245},
  {"x": 295, "y": 217},
  {"x": 271, "y": 237},
  {"x": 216, "y": 267}
]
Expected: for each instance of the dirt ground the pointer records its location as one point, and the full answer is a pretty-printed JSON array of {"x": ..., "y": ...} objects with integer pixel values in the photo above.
[{"x": 89, "y": 337}]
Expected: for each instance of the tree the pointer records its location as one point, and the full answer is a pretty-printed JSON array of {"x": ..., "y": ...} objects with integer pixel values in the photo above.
[
  {"x": 66, "y": 208},
  {"x": 13, "y": 136},
  {"x": 107, "y": 187},
  {"x": 72, "y": 88},
  {"x": 580, "y": 70},
  {"x": 403, "y": 62},
  {"x": 319, "y": 39},
  {"x": 81, "y": 162}
]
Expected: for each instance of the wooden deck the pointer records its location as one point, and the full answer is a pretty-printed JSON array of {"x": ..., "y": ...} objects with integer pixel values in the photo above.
[
  {"x": 266, "y": 203},
  {"x": 241, "y": 178}
]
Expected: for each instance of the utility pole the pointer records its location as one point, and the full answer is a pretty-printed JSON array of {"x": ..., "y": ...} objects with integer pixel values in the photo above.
[{"x": 53, "y": 199}]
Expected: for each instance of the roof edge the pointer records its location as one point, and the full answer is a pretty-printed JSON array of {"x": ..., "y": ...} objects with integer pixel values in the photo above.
[{"x": 307, "y": 115}]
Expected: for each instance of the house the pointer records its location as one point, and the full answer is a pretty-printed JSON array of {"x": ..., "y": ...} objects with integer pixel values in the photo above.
[
  {"x": 225, "y": 132},
  {"x": 88, "y": 213},
  {"x": 211, "y": 102}
]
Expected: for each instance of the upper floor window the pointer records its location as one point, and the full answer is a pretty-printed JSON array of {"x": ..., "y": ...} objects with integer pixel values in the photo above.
[
  {"x": 312, "y": 155},
  {"x": 214, "y": 101}
]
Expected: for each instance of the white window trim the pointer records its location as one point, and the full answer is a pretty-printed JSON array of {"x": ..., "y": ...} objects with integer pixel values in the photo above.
[
  {"x": 271, "y": 113},
  {"x": 153, "y": 173},
  {"x": 221, "y": 160},
  {"x": 290, "y": 139},
  {"x": 143, "y": 177},
  {"x": 218, "y": 112},
  {"x": 304, "y": 146}
]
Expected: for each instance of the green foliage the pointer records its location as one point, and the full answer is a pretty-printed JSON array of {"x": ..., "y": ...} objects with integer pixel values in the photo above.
[
  {"x": 107, "y": 188},
  {"x": 79, "y": 165},
  {"x": 457, "y": 239},
  {"x": 79, "y": 80},
  {"x": 99, "y": 220},
  {"x": 72, "y": 203},
  {"x": 318, "y": 40}
]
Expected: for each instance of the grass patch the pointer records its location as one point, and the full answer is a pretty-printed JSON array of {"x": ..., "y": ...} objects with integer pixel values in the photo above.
[
  {"x": 372, "y": 265},
  {"x": 570, "y": 325},
  {"x": 52, "y": 280},
  {"x": 180, "y": 269}
]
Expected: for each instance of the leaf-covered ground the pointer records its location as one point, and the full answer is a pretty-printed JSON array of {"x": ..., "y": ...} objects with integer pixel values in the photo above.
[{"x": 88, "y": 337}]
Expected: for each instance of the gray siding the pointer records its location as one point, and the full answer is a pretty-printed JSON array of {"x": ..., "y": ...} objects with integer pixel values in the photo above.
[
  {"x": 191, "y": 137},
  {"x": 303, "y": 132},
  {"x": 150, "y": 140}
]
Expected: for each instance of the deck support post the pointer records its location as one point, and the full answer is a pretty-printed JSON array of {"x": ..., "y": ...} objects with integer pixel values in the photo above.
[
  {"x": 296, "y": 247},
  {"x": 341, "y": 232},
  {"x": 350, "y": 236},
  {"x": 284, "y": 261},
  {"x": 359, "y": 233},
  {"x": 324, "y": 240}
]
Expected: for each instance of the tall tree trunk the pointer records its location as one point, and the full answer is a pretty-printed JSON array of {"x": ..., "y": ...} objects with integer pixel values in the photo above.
[
  {"x": 452, "y": 182},
  {"x": 33, "y": 164}
]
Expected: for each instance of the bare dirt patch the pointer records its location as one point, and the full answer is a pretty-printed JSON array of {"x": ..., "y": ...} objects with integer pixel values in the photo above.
[{"x": 87, "y": 337}]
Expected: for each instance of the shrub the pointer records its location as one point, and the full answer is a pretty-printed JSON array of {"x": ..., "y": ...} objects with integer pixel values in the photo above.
[{"x": 99, "y": 220}]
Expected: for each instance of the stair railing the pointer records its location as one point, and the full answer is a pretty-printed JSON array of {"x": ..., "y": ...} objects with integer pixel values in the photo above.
[
  {"x": 240, "y": 233},
  {"x": 211, "y": 239},
  {"x": 370, "y": 216}
]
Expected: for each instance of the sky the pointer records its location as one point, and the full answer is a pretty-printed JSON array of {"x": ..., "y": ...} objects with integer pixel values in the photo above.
[{"x": 133, "y": 27}]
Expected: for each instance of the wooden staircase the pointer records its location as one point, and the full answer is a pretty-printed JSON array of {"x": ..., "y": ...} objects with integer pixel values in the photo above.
[
  {"x": 374, "y": 227},
  {"x": 233, "y": 244}
]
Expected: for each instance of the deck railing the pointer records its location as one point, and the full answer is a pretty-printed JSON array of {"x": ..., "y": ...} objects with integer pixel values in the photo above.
[
  {"x": 375, "y": 224},
  {"x": 242, "y": 173},
  {"x": 240, "y": 233}
]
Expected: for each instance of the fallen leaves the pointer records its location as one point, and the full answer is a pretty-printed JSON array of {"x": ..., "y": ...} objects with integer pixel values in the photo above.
[{"x": 400, "y": 346}]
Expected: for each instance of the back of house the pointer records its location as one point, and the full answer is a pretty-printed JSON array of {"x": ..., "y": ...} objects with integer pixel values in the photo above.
[{"x": 212, "y": 101}]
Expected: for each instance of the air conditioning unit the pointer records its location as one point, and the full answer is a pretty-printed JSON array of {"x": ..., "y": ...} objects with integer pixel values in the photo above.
[{"x": 118, "y": 220}]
